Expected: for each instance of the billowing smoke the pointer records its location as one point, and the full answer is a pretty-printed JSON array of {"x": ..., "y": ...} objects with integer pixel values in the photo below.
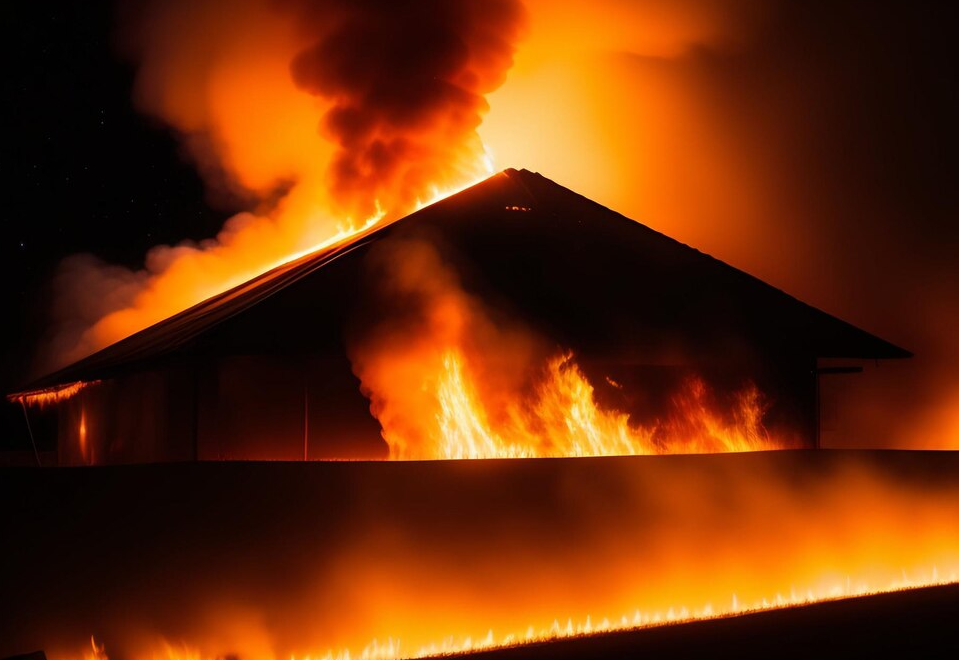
[
  {"x": 450, "y": 376},
  {"x": 815, "y": 150},
  {"x": 406, "y": 81},
  {"x": 321, "y": 116},
  {"x": 295, "y": 562},
  {"x": 418, "y": 319}
]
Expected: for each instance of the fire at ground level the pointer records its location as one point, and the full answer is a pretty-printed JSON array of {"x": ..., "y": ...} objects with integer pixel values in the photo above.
[
  {"x": 914, "y": 622},
  {"x": 273, "y": 560}
]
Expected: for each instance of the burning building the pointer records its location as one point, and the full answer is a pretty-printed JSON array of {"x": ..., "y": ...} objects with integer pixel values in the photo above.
[
  {"x": 515, "y": 308},
  {"x": 338, "y": 316}
]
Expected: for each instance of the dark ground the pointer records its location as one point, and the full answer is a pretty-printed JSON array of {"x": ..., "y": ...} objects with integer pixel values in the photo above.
[{"x": 911, "y": 624}]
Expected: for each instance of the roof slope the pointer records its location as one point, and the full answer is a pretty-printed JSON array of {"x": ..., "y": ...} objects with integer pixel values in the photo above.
[{"x": 588, "y": 276}]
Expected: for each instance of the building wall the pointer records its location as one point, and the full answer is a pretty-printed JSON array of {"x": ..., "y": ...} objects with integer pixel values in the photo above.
[
  {"x": 276, "y": 407},
  {"x": 287, "y": 407},
  {"x": 145, "y": 417}
]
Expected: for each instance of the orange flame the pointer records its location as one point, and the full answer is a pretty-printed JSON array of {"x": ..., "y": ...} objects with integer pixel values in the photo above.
[
  {"x": 271, "y": 106},
  {"x": 96, "y": 651},
  {"x": 51, "y": 395},
  {"x": 446, "y": 381},
  {"x": 593, "y": 545},
  {"x": 565, "y": 420},
  {"x": 394, "y": 649}
]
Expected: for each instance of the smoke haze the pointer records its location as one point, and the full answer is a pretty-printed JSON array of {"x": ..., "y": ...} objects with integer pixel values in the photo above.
[
  {"x": 814, "y": 148},
  {"x": 321, "y": 116}
]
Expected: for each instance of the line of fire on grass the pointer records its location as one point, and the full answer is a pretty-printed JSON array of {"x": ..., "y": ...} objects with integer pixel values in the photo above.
[{"x": 392, "y": 648}]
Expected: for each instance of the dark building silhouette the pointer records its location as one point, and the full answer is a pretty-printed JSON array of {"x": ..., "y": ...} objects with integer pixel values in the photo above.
[{"x": 261, "y": 371}]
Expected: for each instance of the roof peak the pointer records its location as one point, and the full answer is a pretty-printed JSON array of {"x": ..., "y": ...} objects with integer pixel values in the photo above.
[{"x": 565, "y": 231}]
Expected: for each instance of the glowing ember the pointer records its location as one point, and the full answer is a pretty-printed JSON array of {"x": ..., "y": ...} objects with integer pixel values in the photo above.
[{"x": 82, "y": 436}]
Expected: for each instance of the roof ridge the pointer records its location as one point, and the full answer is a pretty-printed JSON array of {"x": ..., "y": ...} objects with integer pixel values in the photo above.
[{"x": 173, "y": 333}]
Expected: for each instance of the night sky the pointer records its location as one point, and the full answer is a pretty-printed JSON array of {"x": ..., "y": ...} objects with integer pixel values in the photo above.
[{"x": 86, "y": 172}]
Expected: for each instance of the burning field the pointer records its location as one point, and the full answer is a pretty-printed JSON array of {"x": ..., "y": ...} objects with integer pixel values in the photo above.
[
  {"x": 404, "y": 559},
  {"x": 406, "y": 404}
]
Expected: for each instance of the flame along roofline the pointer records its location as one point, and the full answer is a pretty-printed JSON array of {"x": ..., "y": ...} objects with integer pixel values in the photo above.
[
  {"x": 281, "y": 274},
  {"x": 50, "y": 395},
  {"x": 531, "y": 190}
]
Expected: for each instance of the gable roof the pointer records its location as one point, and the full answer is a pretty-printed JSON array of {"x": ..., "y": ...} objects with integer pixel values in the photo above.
[{"x": 541, "y": 247}]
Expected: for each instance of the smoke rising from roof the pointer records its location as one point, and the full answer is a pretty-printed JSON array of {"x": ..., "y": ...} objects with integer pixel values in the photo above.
[
  {"x": 406, "y": 82},
  {"x": 816, "y": 150},
  {"x": 319, "y": 116}
]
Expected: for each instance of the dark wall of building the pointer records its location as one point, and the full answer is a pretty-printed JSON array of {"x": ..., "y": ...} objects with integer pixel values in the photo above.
[
  {"x": 276, "y": 407},
  {"x": 282, "y": 407},
  {"x": 140, "y": 417},
  {"x": 248, "y": 407},
  {"x": 786, "y": 384}
]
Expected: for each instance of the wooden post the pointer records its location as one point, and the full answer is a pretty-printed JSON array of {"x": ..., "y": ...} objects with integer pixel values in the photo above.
[
  {"x": 33, "y": 442},
  {"x": 306, "y": 420}
]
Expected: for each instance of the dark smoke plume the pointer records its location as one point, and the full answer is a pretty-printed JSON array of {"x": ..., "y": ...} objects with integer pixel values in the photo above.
[
  {"x": 406, "y": 81},
  {"x": 322, "y": 113}
]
